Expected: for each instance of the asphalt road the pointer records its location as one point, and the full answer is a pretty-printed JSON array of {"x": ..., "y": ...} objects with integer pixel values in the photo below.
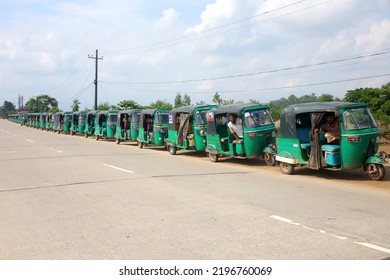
[{"x": 67, "y": 197}]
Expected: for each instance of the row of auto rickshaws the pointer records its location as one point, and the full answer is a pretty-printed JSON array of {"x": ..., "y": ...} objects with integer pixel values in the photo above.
[{"x": 298, "y": 141}]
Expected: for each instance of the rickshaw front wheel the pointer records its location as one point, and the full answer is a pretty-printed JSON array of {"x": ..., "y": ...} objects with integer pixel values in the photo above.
[
  {"x": 117, "y": 140},
  {"x": 376, "y": 172},
  {"x": 172, "y": 150},
  {"x": 286, "y": 168},
  {"x": 140, "y": 144},
  {"x": 213, "y": 157},
  {"x": 269, "y": 159}
]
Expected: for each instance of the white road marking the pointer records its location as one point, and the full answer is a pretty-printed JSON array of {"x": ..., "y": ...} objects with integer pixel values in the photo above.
[
  {"x": 339, "y": 237},
  {"x": 58, "y": 151},
  {"x": 118, "y": 168},
  {"x": 285, "y": 220},
  {"x": 372, "y": 246},
  {"x": 28, "y": 140}
]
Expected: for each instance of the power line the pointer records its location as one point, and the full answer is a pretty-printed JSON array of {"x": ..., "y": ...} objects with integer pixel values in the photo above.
[{"x": 379, "y": 53}]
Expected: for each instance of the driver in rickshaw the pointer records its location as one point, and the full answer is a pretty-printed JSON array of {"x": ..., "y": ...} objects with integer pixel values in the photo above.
[
  {"x": 332, "y": 130},
  {"x": 235, "y": 126}
]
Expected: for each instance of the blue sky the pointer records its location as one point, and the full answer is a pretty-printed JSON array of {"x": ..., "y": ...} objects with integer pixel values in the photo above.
[{"x": 243, "y": 49}]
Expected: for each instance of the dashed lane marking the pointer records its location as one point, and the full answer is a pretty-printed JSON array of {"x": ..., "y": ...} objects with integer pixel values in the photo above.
[
  {"x": 365, "y": 244},
  {"x": 375, "y": 247},
  {"x": 28, "y": 140},
  {"x": 55, "y": 150},
  {"x": 118, "y": 168}
]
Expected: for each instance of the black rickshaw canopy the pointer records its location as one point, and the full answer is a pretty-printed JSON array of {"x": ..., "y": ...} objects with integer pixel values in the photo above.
[{"x": 288, "y": 118}]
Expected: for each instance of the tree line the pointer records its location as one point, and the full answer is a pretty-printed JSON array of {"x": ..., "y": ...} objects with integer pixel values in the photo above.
[{"x": 378, "y": 100}]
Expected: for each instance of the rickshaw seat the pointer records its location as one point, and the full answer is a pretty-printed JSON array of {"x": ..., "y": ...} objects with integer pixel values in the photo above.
[
  {"x": 305, "y": 146},
  {"x": 330, "y": 148}
]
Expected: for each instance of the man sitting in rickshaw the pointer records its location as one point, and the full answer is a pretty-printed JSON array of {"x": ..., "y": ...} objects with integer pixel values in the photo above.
[
  {"x": 332, "y": 130},
  {"x": 235, "y": 126}
]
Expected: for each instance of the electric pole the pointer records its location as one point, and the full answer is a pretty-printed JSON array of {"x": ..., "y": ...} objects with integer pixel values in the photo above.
[{"x": 96, "y": 57}]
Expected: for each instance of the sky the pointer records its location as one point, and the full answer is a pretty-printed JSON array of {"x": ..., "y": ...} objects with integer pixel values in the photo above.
[{"x": 152, "y": 50}]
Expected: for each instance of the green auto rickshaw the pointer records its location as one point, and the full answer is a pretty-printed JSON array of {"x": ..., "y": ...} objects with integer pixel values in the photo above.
[
  {"x": 303, "y": 139},
  {"x": 78, "y": 122},
  {"x": 105, "y": 124},
  {"x": 67, "y": 122},
  {"x": 42, "y": 121},
  {"x": 257, "y": 137},
  {"x": 153, "y": 127},
  {"x": 187, "y": 128},
  {"x": 127, "y": 126},
  {"x": 58, "y": 122},
  {"x": 89, "y": 128},
  {"x": 49, "y": 121}
]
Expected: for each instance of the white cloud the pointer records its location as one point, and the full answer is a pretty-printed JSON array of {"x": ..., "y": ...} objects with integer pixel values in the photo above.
[{"x": 168, "y": 18}]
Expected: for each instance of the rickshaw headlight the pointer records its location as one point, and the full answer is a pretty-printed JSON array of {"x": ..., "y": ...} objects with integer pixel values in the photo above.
[{"x": 202, "y": 132}]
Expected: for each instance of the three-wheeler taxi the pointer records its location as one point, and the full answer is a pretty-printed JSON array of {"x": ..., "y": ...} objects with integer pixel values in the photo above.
[
  {"x": 89, "y": 128},
  {"x": 187, "y": 128},
  {"x": 153, "y": 127},
  {"x": 67, "y": 124},
  {"x": 127, "y": 126},
  {"x": 304, "y": 139},
  {"x": 49, "y": 121},
  {"x": 105, "y": 124},
  {"x": 78, "y": 122},
  {"x": 58, "y": 122},
  {"x": 256, "y": 137}
]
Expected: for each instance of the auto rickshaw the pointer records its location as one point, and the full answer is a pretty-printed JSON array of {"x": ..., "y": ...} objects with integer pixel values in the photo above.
[
  {"x": 90, "y": 123},
  {"x": 42, "y": 121},
  {"x": 67, "y": 122},
  {"x": 153, "y": 127},
  {"x": 187, "y": 128},
  {"x": 58, "y": 122},
  {"x": 258, "y": 133},
  {"x": 301, "y": 144},
  {"x": 127, "y": 126},
  {"x": 105, "y": 124},
  {"x": 78, "y": 122},
  {"x": 49, "y": 121}
]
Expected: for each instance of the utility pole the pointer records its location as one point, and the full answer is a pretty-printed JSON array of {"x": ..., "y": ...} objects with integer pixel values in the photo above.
[{"x": 96, "y": 57}]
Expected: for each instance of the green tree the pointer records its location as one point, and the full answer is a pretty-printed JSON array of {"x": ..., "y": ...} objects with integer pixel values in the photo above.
[
  {"x": 42, "y": 103},
  {"x": 159, "y": 104},
  {"x": 186, "y": 100},
  {"x": 7, "y": 109},
  {"x": 178, "y": 101},
  {"x": 377, "y": 99},
  {"x": 76, "y": 105},
  {"x": 217, "y": 99},
  {"x": 103, "y": 106},
  {"x": 128, "y": 104}
]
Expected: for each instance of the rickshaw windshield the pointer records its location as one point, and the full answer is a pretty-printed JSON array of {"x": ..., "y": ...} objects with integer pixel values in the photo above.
[
  {"x": 257, "y": 118},
  {"x": 360, "y": 118},
  {"x": 162, "y": 117},
  {"x": 200, "y": 117},
  {"x": 68, "y": 117},
  {"x": 112, "y": 118},
  {"x": 135, "y": 117}
]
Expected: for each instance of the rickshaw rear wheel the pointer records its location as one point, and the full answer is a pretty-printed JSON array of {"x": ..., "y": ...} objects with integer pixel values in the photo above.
[
  {"x": 213, "y": 157},
  {"x": 286, "y": 168},
  {"x": 172, "y": 150},
  {"x": 140, "y": 144},
  {"x": 269, "y": 159},
  {"x": 376, "y": 172}
]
